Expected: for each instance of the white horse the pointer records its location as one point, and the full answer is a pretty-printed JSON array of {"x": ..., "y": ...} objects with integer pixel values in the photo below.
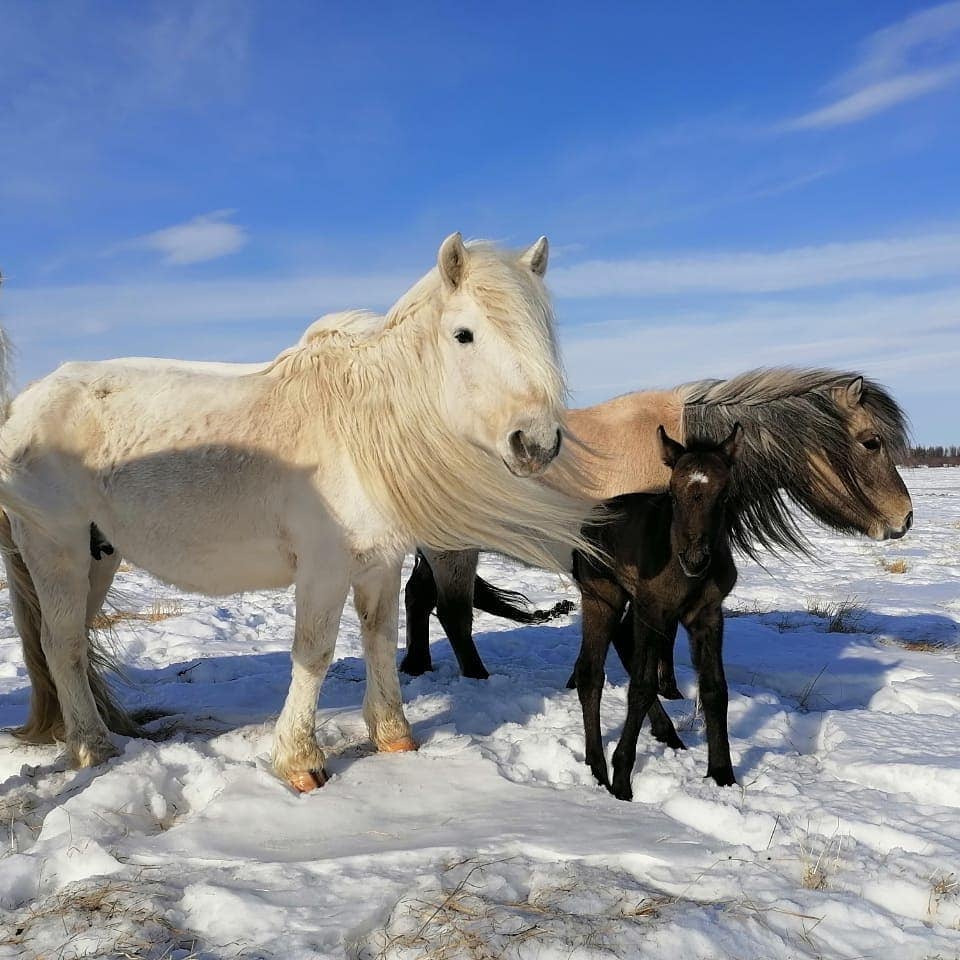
[{"x": 321, "y": 469}]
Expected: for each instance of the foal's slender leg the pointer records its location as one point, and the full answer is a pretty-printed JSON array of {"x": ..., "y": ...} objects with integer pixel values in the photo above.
[
  {"x": 420, "y": 598},
  {"x": 297, "y": 757},
  {"x": 640, "y": 696},
  {"x": 622, "y": 638},
  {"x": 602, "y": 604},
  {"x": 60, "y": 575},
  {"x": 376, "y": 595},
  {"x": 706, "y": 639}
]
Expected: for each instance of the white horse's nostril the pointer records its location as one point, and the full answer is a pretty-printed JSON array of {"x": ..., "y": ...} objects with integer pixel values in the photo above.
[{"x": 519, "y": 448}]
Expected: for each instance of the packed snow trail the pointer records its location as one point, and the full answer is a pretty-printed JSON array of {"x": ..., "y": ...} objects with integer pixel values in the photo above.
[{"x": 842, "y": 839}]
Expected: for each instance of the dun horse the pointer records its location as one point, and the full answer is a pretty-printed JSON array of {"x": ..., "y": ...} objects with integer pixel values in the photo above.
[
  {"x": 321, "y": 469},
  {"x": 669, "y": 557},
  {"x": 825, "y": 440}
]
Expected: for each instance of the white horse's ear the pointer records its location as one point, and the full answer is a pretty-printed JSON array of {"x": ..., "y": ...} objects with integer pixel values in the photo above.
[
  {"x": 452, "y": 260},
  {"x": 854, "y": 392},
  {"x": 535, "y": 257}
]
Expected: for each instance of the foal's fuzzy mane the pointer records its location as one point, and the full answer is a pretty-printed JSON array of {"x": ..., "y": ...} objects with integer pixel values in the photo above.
[
  {"x": 787, "y": 414},
  {"x": 374, "y": 384}
]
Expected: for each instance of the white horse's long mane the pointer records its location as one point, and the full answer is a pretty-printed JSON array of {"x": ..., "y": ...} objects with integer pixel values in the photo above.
[{"x": 373, "y": 383}]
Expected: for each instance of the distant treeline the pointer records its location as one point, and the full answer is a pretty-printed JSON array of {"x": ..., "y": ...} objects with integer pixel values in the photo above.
[{"x": 933, "y": 457}]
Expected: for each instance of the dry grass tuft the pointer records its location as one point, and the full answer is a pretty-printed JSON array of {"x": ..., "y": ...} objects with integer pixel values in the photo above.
[
  {"x": 99, "y": 918},
  {"x": 894, "y": 566},
  {"x": 471, "y": 922},
  {"x": 157, "y": 611},
  {"x": 815, "y": 874},
  {"x": 932, "y": 645},
  {"x": 814, "y": 878},
  {"x": 842, "y": 616}
]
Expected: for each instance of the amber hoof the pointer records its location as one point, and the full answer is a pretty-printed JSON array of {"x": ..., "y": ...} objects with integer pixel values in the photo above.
[{"x": 307, "y": 780}]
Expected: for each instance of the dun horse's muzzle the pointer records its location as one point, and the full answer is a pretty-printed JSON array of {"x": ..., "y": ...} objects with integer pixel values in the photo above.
[{"x": 895, "y": 533}]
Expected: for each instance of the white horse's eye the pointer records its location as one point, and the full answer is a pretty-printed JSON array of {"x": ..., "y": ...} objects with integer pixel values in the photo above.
[{"x": 463, "y": 335}]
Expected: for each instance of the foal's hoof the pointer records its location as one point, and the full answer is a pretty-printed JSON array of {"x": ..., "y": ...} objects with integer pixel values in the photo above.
[
  {"x": 622, "y": 791},
  {"x": 303, "y": 781},
  {"x": 403, "y": 745},
  {"x": 722, "y": 776}
]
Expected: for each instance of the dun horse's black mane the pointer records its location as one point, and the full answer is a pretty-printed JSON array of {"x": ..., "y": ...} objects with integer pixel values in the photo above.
[{"x": 787, "y": 414}]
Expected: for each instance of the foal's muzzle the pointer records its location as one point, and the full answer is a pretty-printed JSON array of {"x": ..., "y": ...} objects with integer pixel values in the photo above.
[
  {"x": 528, "y": 456},
  {"x": 694, "y": 563}
]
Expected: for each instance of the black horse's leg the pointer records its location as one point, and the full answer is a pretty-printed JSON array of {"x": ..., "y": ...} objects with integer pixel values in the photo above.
[
  {"x": 640, "y": 696},
  {"x": 706, "y": 639},
  {"x": 455, "y": 573},
  {"x": 602, "y": 604},
  {"x": 420, "y": 597}
]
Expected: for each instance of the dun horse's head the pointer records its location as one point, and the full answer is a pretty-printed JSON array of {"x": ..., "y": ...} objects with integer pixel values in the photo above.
[
  {"x": 858, "y": 473},
  {"x": 698, "y": 492},
  {"x": 503, "y": 385}
]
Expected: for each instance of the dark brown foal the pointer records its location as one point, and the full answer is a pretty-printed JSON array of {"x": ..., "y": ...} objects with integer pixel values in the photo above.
[{"x": 670, "y": 559}]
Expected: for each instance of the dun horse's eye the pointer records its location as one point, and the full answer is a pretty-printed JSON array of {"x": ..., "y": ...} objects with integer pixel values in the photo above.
[
  {"x": 463, "y": 335},
  {"x": 872, "y": 443}
]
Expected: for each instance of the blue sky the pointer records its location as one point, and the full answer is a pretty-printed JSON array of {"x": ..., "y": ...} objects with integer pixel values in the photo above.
[{"x": 723, "y": 185}]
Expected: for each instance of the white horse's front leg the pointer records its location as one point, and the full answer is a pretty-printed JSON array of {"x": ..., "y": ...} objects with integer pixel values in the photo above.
[
  {"x": 297, "y": 757},
  {"x": 376, "y": 596}
]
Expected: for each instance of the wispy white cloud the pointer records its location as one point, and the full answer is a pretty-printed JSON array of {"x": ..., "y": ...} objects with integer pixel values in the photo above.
[
  {"x": 131, "y": 310},
  {"x": 66, "y": 85},
  {"x": 907, "y": 340},
  {"x": 904, "y": 258},
  {"x": 906, "y": 60},
  {"x": 206, "y": 237},
  {"x": 892, "y": 50},
  {"x": 875, "y": 98}
]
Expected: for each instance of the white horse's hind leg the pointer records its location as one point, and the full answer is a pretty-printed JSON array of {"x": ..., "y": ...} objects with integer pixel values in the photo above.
[
  {"x": 60, "y": 574},
  {"x": 100, "y": 578},
  {"x": 297, "y": 757},
  {"x": 376, "y": 596}
]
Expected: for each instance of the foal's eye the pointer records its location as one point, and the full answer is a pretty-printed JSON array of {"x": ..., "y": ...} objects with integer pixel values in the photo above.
[
  {"x": 463, "y": 335},
  {"x": 872, "y": 443}
]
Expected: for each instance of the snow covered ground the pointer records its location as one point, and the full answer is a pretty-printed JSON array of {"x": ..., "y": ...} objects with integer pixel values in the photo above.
[{"x": 841, "y": 841}]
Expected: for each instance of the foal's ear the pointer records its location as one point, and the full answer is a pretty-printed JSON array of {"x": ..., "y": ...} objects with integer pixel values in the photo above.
[
  {"x": 731, "y": 446},
  {"x": 452, "y": 261},
  {"x": 854, "y": 393},
  {"x": 536, "y": 255},
  {"x": 670, "y": 450}
]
